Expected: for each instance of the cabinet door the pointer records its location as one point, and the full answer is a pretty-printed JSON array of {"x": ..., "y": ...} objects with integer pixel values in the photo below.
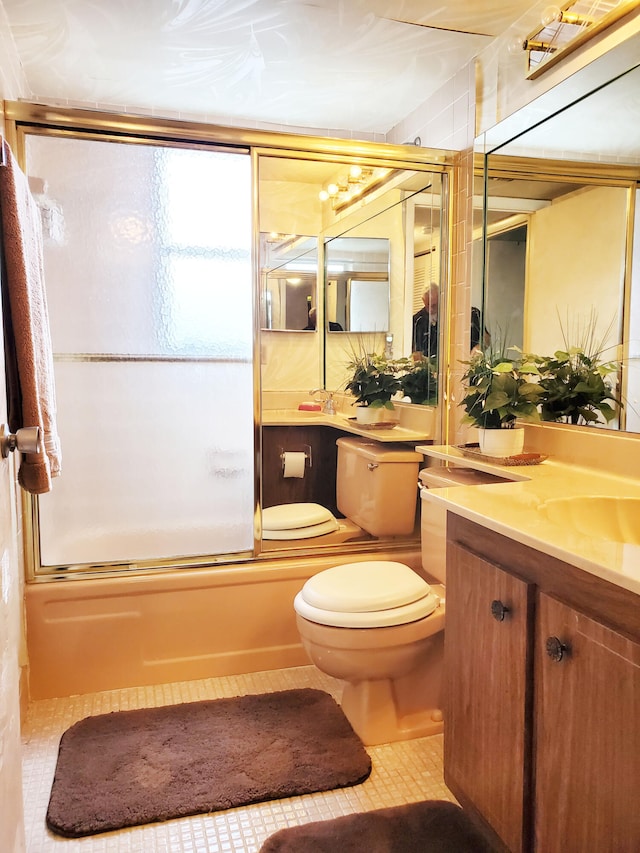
[
  {"x": 487, "y": 704},
  {"x": 587, "y": 735}
]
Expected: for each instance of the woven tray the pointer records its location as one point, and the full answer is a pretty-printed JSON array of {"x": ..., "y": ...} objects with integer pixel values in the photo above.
[
  {"x": 378, "y": 425},
  {"x": 473, "y": 452}
]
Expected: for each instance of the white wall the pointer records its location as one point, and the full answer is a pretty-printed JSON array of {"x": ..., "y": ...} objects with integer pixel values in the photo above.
[
  {"x": 576, "y": 244},
  {"x": 11, "y": 586}
]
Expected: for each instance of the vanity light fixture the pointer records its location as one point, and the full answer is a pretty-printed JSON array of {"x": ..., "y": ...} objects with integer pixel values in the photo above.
[
  {"x": 567, "y": 27},
  {"x": 357, "y": 183},
  {"x": 553, "y": 14}
]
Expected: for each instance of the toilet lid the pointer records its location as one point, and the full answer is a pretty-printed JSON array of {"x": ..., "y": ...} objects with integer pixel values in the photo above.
[
  {"x": 376, "y": 619},
  {"x": 364, "y": 587},
  {"x": 286, "y": 516},
  {"x": 303, "y": 532}
]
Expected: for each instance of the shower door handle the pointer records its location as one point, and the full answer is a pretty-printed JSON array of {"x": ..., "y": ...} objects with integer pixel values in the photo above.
[{"x": 26, "y": 440}]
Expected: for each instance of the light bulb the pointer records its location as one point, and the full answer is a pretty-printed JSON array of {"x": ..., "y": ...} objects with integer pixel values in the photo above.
[
  {"x": 550, "y": 15},
  {"x": 323, "y": 195},
  {"x": 355, "y": 171},
  {"x": 332, "y": 189},
  {"x": 516, "y": 45}
]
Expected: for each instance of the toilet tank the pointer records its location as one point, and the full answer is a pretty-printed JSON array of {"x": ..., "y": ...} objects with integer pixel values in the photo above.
[{"x": 377, "y": 485}]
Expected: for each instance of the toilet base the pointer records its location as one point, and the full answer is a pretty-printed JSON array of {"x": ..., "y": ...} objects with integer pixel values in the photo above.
[{"x": 375, "y": 712}]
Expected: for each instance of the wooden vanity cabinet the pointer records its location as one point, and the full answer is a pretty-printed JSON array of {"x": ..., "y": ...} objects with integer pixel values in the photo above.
[{"x": 542, "y": 697}]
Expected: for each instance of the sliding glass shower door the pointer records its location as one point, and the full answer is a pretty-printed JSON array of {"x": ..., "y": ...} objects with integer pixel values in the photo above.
[{"x": 148, "y": 272}]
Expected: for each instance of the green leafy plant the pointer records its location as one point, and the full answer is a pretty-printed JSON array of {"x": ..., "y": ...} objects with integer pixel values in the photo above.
[
  {"x": 499, "y": 390},
  {"x": 576, "y": 387},
  {"x": 419, "y": 379},
  {"x": 373, "y": 380},
  {"x": 576, "y": 381}
]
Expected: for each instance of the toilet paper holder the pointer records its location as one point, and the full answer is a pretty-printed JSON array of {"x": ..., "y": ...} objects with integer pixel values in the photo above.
[{"x": 305, "y": 448}]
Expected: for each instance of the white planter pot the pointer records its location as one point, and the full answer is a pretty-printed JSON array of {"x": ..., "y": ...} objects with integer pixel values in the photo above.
[
  {"x": 501, "y": 442},
  {"x": 370, "y": 416}
]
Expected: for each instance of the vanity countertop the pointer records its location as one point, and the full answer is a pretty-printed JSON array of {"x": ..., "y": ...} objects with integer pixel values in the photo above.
[
  {"x": 513, "y": 509},
  {"x": 291, "y": 417}
]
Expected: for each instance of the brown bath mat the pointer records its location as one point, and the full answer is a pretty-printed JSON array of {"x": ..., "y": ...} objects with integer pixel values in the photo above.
[
  {"x": 133, "y": 767},
  {"x": 434, "y": 826}
]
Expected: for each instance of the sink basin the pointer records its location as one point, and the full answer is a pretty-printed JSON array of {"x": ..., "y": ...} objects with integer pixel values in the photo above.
[{"x": 605, "y": 517}]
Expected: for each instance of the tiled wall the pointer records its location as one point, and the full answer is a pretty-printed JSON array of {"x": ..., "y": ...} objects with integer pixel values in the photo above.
[{"x": 447, "y": 120}]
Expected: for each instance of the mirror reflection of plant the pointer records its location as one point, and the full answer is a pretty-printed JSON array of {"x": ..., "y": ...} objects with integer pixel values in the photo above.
[
  {"x": 576, "y": 380},
  {"x": 576, "y": 387},
  {"x": 499, "y": 390},
  {"x": 419, "y": 379},
  {"x": 373, "y": 381}
]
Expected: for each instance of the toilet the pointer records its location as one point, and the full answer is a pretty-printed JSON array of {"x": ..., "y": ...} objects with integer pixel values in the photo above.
[
  {"x": 377, "y": 468},
  {"x": 376, "y": 624}
]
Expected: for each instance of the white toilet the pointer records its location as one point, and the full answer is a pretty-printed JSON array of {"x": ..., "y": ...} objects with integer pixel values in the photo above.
[{"x": 377, "y": 625}]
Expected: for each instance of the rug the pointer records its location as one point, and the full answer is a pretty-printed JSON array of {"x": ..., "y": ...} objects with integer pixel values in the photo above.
[
  {"x": 128, "y": 768},
  {"x": 434, "y": 826}
]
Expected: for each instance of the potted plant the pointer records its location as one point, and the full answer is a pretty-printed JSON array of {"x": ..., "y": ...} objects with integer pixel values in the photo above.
[
  {"x": 499, "y": 391},
  {"x": 576, "y": 381},
  {"x": 373, "y": 383},
  {"x": 419, "y": 379}
]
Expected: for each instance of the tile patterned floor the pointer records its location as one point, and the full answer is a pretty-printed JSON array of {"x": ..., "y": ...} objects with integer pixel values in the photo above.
[{"x": 402, "y": 773}]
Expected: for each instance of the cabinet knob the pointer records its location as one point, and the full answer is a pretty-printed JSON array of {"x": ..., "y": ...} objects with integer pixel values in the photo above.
[
  {"x": 498, "y": 610},
  {"x": 556, "y": 649}
]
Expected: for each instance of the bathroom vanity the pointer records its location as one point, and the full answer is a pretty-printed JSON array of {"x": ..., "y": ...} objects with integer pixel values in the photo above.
[
  {"x": 542, "y": 665},
  {"x": 543, "y": 686}
]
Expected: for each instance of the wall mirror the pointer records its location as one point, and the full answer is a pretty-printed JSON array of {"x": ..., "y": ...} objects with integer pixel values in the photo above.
[
  {"x": 556, "y": 235},
  {"x": 372, "y": 235},
  {"x": 357, "y": 284},
  {"x": 288, "y": 281},
  {"x": 374, "y": 246}
]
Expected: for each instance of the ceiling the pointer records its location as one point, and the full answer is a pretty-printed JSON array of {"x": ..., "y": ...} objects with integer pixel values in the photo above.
[{"x": 356, "y": 65}]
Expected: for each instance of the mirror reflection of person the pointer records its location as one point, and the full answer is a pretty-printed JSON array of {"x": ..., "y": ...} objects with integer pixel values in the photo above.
[
  {"x": 476, "y": 326},
  {"x": 425, "y": 324},
  {"x": 313, "y": 314}
]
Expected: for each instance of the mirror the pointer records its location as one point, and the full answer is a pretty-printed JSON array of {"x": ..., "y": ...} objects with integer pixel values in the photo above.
[
  {"x": 372, "y": 246},
  {"x": 554, "y": 253},
  {"x": 289, "y": 281},
  {"x": 357, "y": 284},
  {"x": 376, "y": 244}
]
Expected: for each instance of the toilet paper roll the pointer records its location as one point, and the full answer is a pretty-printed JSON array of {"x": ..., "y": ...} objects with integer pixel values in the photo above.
[{"x": 294, "y": 463}]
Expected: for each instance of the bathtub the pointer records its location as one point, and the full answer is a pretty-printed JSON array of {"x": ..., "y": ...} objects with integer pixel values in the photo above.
[{"x": 101, "y": 633}]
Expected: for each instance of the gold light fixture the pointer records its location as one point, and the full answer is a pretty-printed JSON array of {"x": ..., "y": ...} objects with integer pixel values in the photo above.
[
  {"x": 356, "y": 183},
  {"x": 554, "y": 14},
  {"x": 565, "y": 28}
]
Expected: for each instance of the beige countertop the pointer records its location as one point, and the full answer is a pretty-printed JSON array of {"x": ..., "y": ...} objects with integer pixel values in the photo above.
[
  {"x": 292, "y": 417},
  {"x": 514, "y": 509}
]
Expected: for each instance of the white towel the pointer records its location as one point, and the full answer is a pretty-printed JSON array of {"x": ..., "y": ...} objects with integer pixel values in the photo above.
[{"x": 28, "y": 352}]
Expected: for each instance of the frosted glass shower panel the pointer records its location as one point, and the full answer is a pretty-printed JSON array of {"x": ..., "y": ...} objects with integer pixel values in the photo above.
[
  {"x": 156, "y": 238},
  {"x": 154, "y": 466},
  {"x": 149, "y": 282}
]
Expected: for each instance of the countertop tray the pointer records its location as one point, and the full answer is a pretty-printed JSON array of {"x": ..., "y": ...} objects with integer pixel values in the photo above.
[{"x": 473, "y": 452}]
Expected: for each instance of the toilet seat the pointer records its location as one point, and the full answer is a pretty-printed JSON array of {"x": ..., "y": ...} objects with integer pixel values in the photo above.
[
  {"x": 287, "y": 516},
  {"x": 365, "y": 586},
  {"x": 303, "y": 532},
  {"x": 373, "y": 619},
  {"x": 297, "y": 521},
  {"x": 370, "y": 594}
]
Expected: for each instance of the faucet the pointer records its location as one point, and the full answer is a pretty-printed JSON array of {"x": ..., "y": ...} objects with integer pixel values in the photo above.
[{"x": 329, "y": 407}]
